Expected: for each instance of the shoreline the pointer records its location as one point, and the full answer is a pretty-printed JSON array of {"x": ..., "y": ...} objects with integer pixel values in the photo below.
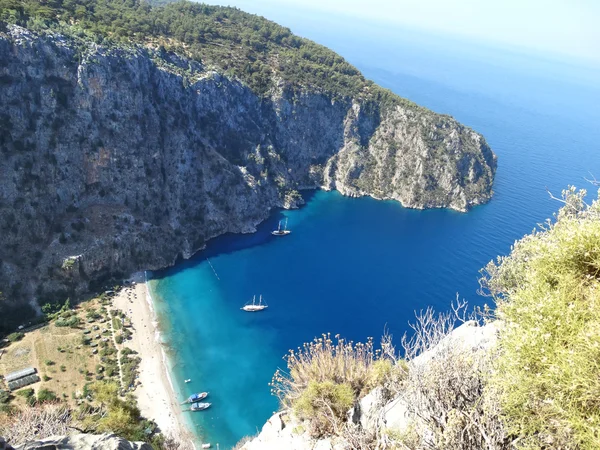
[{"x": 155, "y": 393}]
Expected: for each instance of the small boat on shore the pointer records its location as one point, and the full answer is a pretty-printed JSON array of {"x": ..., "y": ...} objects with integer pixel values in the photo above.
[
  {"x": 194, "y": 398},
  {"x": 279, "y": 231},
  {"x": 253, "y": 307},
  {"x": 199, "y": 406}
]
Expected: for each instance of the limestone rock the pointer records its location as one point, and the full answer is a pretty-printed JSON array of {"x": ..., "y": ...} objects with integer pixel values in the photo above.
[
  {"x": 84, "y": 442},
  {"x": 114, "y": 162}
]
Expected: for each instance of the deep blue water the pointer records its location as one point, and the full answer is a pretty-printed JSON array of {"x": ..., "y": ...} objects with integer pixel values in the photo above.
[{"x": 355, "y": 266}]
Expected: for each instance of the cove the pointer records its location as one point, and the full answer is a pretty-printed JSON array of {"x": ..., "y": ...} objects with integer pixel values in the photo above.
[
  {"x": 350, "y": 266},
  {"x": 356, "y": 266}
]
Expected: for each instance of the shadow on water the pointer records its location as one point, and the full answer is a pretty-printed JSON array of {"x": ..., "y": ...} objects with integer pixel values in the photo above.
[{"x": 232, "y": 242}]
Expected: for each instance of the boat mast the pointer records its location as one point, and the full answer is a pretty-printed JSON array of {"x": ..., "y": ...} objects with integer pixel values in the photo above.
[{"x": 285, "y": 228}]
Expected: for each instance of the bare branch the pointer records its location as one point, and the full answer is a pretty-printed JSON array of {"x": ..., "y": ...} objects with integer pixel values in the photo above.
[{"x": 593, "y": 181}]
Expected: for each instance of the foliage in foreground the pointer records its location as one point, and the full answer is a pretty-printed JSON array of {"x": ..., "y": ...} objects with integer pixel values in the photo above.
[
  {"x": 326, "y": 378},
  {"x": 537, "y": 389},
  {"x": 107, "y": 412},
  {"x": 547, "y": 294}
]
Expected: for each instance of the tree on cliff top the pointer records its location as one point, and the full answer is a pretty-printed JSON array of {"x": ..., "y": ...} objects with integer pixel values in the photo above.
[{"x": 245, "y": 45}]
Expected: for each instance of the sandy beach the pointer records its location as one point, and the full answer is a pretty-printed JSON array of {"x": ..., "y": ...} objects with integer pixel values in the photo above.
[{"x": 155, "y": 395}]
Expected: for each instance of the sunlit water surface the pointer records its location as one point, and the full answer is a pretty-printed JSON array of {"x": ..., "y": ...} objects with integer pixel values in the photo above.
[{"x": 357, "y": 266}]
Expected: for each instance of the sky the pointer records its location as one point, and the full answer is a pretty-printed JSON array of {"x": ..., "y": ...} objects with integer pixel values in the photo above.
[{"x": 561, "y": 27}]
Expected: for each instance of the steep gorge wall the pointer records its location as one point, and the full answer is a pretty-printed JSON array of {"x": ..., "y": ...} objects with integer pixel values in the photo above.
[{"x": 121, "y": 159}]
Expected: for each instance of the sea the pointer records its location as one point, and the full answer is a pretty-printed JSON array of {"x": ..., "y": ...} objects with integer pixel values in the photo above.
[{"x": 361, "y": 267}]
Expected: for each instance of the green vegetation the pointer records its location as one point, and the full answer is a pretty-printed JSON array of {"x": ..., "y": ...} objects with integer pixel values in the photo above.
[
  {"x": 26, "y": 393},
  {"x": 72, "y": 322},
  {"x": 14, "y": 337},
  {"x": 338, "y": 398},
  {"x": 548, "y": 296},
  {"x": 247, "y": 46},
  {"x": 118, "y": 416},
  {"x": 68, "y": 263},
  {"x": 4, "y": 396},
  {"x": 325, "y": 379},
  {"x": 129, "y": 365},
  {"x": 46, "y": 395}
]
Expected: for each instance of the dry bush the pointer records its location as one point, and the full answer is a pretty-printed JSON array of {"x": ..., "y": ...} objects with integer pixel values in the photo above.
[
  {"x": 445, "y": 389},
  {"x": 33, "y": 423},
  {"x": 321, "y": 360},
  {"x": 548, "y": 296},
  {"x": 326, "y": 378}
]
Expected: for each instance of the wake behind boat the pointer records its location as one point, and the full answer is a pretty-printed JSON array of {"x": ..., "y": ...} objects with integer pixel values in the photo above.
[
  {"x": 279, "y": 231},
  {"x": 194, "y": 398},
  {"x": 253, "y": 307}
]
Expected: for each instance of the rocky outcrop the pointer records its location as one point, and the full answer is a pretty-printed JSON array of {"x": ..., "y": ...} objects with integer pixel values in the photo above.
[
  {"x": 84, "y": 442},
  {"x": 376, "y": 414},
  {"x": 119, "y": 159}
]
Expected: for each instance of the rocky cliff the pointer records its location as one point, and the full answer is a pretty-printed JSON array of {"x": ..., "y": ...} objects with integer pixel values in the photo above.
[
  {"x": 81, "y": 442},
  {"x": 120, "y": 158}
]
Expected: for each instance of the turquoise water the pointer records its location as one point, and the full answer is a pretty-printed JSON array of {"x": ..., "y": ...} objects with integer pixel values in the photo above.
[{"x": 356, "y": 266}]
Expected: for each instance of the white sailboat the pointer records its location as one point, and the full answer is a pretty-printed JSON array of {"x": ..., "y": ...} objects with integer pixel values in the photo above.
[
  {"x": 253, "y": 307},
  {"x": 279, "y": 231}
]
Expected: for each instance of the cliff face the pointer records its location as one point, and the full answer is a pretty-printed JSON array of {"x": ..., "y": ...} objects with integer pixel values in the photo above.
[
  {"x": 120, "y": 159},
  {"x": 84, "y": 442}
]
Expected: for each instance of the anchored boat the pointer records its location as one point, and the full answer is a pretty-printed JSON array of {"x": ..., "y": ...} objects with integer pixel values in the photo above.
[
  {"x": 253, "y": 307},
  {"x": 199, "y": 406},
  {"x": 196, "y": 397},
  {"x": 279, "y": 231}
]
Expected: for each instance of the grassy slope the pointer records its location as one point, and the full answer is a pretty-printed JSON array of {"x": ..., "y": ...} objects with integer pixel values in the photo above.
[{"x": 58, "y": 353}]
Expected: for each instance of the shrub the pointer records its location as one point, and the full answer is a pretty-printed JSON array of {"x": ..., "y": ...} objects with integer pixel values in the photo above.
[
  {"x": 14, "y": 337},
  {"x": 4, "y": 396},
  {"x": 6, "y": 409},
  {"x": 319, "y": 397},
  {"x": 49, "y": 362},
  {"x": 93, "y": 314},
  {"x": 326, "y": 378},
  {"x": 118, "y": 416},
  {"x": 46, "y": 395},
  {"x": 127, "y": 351},
  {"x": 72, "y": 322},
  {"x": 26, "y": 393},
  {"x": 548, "y": 296}
]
